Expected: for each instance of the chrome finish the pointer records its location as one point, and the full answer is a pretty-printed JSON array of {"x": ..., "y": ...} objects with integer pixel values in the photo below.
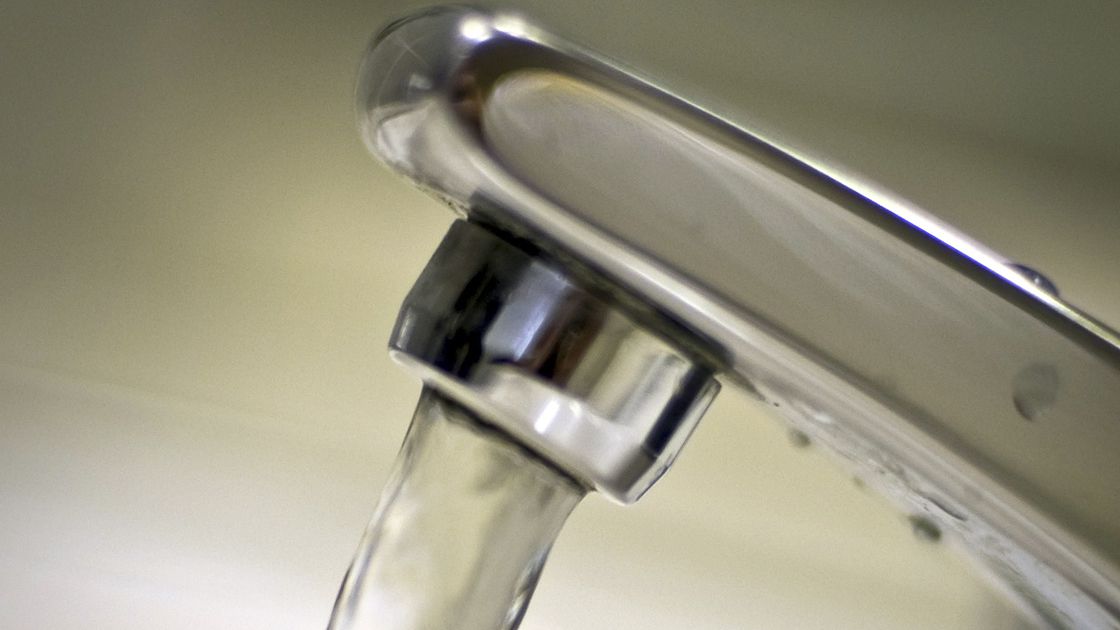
[
  {"x": 560, "y": 369},
  {"x": 962, "y": 386}
]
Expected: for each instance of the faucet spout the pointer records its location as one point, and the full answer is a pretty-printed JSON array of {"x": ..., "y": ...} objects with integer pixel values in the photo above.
[
  {"x": 563, "y": 370},
  {"x": 622, "y": 245}
]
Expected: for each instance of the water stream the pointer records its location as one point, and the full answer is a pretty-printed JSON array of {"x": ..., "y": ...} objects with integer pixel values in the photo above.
[{"x": 461, "y": 532}]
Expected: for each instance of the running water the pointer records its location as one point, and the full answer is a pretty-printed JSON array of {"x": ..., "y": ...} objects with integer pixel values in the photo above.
[{"x": 461, "y": 533}]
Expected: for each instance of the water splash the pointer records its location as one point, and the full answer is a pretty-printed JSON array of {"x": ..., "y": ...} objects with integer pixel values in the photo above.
[{"x": 461, "y": 532}]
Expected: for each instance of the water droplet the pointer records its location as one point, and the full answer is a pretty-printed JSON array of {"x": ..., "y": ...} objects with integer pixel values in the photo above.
[
  {"x": 799, "y": 439},
  {"x": 1037, "y": 279},
  {"x": 1035, "y": 390},
  {"x": 925, "y": 529}
]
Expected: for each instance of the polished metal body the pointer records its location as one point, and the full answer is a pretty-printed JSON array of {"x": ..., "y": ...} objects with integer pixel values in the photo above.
[
  {"x": 956, "y": 381},
  {"x": 562, "y": 370}
]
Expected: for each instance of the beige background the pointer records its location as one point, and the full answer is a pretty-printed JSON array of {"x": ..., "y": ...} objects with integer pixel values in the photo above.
[{"x": 199, "y": 267}]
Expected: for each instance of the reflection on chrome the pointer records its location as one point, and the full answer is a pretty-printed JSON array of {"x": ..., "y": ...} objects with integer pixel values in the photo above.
[{"x": 884, "y": 335}]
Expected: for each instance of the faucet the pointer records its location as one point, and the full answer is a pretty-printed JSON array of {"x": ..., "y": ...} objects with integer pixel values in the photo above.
[{"x": 620, "y": 252}]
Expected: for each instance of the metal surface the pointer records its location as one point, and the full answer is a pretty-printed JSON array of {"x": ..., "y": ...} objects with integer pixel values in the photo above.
[
  {"x": 567, "y": 374},
  {"x": 968, "y": 390}
]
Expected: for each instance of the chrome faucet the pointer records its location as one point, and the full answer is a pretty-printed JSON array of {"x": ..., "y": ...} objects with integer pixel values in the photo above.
[{"x": 619, "y": 249}]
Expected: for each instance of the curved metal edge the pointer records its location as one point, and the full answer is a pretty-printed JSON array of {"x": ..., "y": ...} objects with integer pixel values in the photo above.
[
  {"x": 427, "y": 106},
  {"x": 429, "y": 48}
]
